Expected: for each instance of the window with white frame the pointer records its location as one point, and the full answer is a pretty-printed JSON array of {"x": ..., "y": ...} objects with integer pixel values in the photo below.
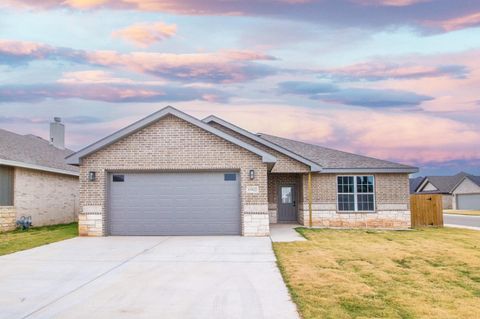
[{"x": 356, "y": 193}]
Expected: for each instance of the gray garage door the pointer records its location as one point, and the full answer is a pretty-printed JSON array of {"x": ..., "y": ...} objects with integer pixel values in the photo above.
[
  {"x": 204, "y": 203},
  {"x": 468, "y": 201}
]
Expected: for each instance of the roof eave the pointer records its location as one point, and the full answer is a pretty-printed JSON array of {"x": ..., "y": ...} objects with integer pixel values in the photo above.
[
  {"x": 37, "y": 167},
  {"x": 314, "y": 167},
  {"x": 409, "y": 170},
  {"x": 75, "y": 158}
]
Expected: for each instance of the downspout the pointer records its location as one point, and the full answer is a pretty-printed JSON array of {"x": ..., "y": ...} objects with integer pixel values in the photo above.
[{"x": 310, "y": 198}]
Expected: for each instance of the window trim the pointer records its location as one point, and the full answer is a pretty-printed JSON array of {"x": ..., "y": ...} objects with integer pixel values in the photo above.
[{"x": 355, "y": 193}]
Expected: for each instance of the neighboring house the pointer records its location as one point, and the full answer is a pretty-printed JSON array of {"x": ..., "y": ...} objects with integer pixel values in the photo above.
[
  {"x": 414, "y": 183},
  {"x": 460, "y": 191},
  {"x": 172, "y": 174},
  {"x": 35, "y": 180}
]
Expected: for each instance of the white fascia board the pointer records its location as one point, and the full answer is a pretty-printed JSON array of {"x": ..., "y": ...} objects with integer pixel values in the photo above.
[
  {"x": 75, "y": 158},
  {"x": 314, "y": 167},
  {"x": 37, "y": 167}
]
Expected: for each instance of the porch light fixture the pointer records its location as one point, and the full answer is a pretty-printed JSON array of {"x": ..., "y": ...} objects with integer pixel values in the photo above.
[
  {"x": 92, "y": 176},
  {"x": 252, "y": 174}
]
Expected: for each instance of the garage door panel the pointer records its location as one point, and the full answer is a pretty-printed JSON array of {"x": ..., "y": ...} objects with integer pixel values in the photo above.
[
  {"x": 200, "y": 203},
  {"x": 468, "y": 201}
]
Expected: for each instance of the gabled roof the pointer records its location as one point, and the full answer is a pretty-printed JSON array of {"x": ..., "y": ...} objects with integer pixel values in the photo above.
[
  {"x": 414, "y": 183},
  {"x": 75, "y": 158},
  {"x": 333, "y": 161},
  {"x": 314, "y": 167},
  {"x": 33, "y": 152},
  {"x": 447, "y": 184}
]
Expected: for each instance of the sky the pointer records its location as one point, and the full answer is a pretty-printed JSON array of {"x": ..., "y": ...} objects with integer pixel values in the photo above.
[{"x": 393, "y": 79}]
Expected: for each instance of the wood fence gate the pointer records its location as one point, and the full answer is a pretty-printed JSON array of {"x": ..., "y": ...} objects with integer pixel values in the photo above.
[{"x": 426, "y": 210}]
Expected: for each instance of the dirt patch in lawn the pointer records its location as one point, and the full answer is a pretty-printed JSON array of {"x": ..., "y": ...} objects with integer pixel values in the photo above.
[
  {"x": 428, "y": 273},
  {"x": 17, "y": 240}
]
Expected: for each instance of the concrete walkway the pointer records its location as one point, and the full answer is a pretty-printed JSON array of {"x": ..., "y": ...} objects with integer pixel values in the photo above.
[
  {"x": 285, "y": 233},
  {"x": 145, "y": 277}
]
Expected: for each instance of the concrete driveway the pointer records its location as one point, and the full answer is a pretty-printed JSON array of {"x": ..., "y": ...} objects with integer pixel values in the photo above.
[{"x": 145, "y": 277}]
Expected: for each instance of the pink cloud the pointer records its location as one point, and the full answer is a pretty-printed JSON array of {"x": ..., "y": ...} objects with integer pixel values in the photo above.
[
  {"x": 375, "y": 71},
  {"x": 338, "y": 13},
  {"x": 452, "y": 94},
  {"x": 224, "y": 66},
  {"x": 466, "y": 21},
  {"x": 215, "y": 67},
  {"x": 101, "y": 77},
  {"x": 393, "y": 3},
  {"x": 146, "y": 34},
  {"x": 406, "y": 137}
]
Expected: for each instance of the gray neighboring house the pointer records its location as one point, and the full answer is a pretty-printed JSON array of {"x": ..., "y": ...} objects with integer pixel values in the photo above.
[
  {"x": 460, "y": 191},
  {"x": 173, "y": 174},
  {"x": 35, "y": 180}
]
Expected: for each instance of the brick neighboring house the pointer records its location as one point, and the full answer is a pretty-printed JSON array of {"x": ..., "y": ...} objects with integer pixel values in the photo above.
[
  {"x": 35, "y": 180},
  {"x": 172, "y": 174},
  {"x": 460, "y": 191}
]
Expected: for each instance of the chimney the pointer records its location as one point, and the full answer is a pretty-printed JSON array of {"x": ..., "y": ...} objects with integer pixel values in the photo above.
[{"x": 57, "y": 133}]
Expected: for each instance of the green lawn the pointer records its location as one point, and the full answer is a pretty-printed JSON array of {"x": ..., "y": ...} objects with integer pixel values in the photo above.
[
  {"x": 428, "y": 273},
  {"x": 17, "y": 240}
]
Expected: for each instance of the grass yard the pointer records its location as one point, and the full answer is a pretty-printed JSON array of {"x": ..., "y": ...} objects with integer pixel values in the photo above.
[
  {"x": 428, "y": 273},
  {"x": 17, "y": 240},
  {"x": 462, "y": 212}
]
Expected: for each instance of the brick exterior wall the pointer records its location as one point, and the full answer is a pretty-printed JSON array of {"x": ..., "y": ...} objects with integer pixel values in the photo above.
[
  {"x": 391, "y": 196},
  {"x": 284, "y": 163},
  {"x": 392, "y": 201},
  {"x": 48, "y": 198},
  {"x": 7, "y": 218},
  {"x": 172, "y": 144}
]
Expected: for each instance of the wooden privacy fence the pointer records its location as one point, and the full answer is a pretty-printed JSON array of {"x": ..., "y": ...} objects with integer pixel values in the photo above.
[{"x": 426, "y": 210}]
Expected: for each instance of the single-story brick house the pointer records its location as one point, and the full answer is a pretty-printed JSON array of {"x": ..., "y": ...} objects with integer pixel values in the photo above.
[
  {"x": 460, "y": 191},
  {"x": 173, "y": 174},
  {"x": 35, "y": 181}
]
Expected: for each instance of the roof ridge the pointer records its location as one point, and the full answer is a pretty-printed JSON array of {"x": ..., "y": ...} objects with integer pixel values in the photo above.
[{"x": 332, "y": 149}]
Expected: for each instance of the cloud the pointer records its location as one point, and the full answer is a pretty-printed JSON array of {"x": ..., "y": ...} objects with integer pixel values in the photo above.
[
  {"x": 373, "y": 98},
  {"x": 379, "y": 71},
  {"x": 22, "y": 120},
  {"x": 114, "y": 93},
  {"x": 306, "y": 88},
  {"x": 20, "y": 52},
  {"x": 394, "y": 3},
  {"x": 100, "y": 77},
  {"x": 146, "y": 34},
  {"x": 216, "y": 67},
  {"x": 457, "y": 23},
  {"x": 80, "y": 119},
  {"x": 339, "y": 13}
]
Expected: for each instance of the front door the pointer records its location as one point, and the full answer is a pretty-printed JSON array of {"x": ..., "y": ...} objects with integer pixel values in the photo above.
[{"x": 287, "y": 203}]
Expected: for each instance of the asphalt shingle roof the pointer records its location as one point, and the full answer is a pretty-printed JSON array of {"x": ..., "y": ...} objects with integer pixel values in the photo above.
[
  {"x": 446, "y": 184},
  {"x": 415, "y": 182},
  {"x": 34, "y": 150},
  {"x": 330, "y": 158}
]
